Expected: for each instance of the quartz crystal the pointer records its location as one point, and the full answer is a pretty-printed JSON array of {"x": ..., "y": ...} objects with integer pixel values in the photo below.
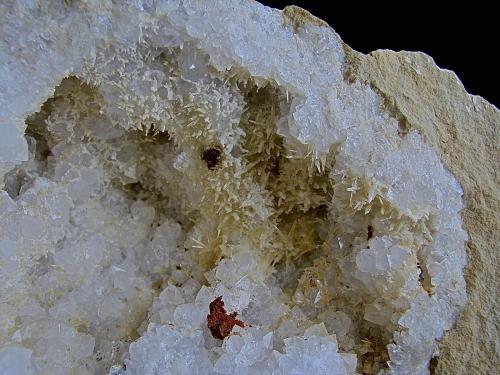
[{"x": 155, "y": 155}]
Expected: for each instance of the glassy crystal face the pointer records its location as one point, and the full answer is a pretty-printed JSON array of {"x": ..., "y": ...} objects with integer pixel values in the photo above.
[{"x": 192, "y": 150}]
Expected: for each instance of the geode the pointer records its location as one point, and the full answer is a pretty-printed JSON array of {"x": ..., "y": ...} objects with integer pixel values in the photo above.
[{"x": 158, "y": 155}]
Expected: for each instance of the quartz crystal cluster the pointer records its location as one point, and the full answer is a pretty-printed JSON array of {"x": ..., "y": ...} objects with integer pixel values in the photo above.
[{"x": 155, "y": 155}]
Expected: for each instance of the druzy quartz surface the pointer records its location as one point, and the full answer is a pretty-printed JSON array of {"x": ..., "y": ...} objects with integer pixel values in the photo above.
[{"x": 157, "y": 155}]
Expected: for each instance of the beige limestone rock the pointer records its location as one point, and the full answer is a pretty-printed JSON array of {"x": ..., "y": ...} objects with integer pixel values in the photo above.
[{"x": 463, "y": 129}]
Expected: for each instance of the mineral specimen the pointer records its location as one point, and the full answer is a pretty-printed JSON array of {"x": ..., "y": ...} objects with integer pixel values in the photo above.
[
  {"x": 156, "y": 156},
  {"x": 220, "y": 323}
]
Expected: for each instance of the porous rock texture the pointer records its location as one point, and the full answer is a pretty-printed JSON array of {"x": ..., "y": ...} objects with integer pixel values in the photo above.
[{"x": 158, "y": 155}]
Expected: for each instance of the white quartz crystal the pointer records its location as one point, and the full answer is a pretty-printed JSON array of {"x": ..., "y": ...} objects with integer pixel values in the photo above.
[{"x": 155, "y": 155}]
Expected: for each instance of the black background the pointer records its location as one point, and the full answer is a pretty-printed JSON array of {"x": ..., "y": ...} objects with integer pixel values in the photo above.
[{"x": 463, "y": 38}]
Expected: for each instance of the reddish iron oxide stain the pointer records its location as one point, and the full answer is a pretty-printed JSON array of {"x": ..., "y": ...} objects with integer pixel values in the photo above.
[
  {"x": 211, "y": 157},
  {"x": 220, "y": 323},
  {"x": 370, "y": 233}
]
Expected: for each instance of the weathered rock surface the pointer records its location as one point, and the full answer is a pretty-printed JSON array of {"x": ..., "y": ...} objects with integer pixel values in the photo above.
[{"x": 465, "y": 131}]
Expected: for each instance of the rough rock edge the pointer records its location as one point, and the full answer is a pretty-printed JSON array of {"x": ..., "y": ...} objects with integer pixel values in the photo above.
[
  {"x": 463, "y": 129},
  {"x": 296, "y": 17}
]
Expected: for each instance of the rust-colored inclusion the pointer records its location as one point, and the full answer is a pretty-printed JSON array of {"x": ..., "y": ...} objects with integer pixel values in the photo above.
[
  {"x": 212, "y": 157},
  {"x": 220, "y": 323}
]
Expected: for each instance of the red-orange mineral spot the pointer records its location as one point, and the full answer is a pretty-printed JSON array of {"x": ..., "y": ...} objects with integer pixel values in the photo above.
[{"x": 220, "y": 323}]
